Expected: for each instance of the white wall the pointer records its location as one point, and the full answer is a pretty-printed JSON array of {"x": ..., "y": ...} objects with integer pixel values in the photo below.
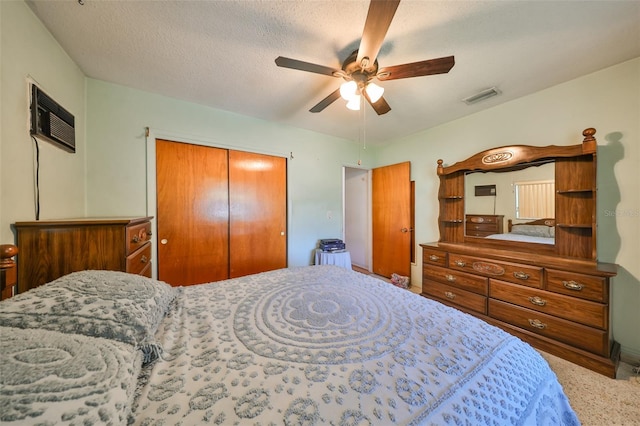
[
  {"x": 29, "y": 51},
  {"x": 357, "y": 214},
  {"x": 608, "y": 100}
]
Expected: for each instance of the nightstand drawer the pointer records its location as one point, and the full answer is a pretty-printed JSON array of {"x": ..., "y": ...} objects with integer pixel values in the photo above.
[
  {"x": 462, "y": 280},
  {"x": 463, "y": 298}
]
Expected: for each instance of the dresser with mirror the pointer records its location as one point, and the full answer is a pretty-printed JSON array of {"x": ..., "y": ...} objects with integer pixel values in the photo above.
[{"x": 538, "y": 276}]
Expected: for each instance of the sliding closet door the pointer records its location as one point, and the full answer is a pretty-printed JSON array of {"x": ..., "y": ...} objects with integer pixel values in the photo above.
[
  {"x": 193, "y": 213},
  {"x": 258, "y": 213}
]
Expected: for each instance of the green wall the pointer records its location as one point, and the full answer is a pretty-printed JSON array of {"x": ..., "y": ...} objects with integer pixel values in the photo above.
[
  {"x": 608, "y": 100},
  {"x": 109, "y": 174},
  {"x": 118, "y": 176}
]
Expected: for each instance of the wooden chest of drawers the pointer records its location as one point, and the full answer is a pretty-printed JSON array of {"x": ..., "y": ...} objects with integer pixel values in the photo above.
[
  {"x": 479, "y": 225},
  {"x": 558, "y": 310},
  {"x": 51, "y": 249}
]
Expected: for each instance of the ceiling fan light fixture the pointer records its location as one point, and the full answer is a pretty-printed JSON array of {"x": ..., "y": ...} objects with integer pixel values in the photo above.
[
  {"x": 374, "y": 92},
  {"x": 354, "y": 103},
  {"x": 348, "y": 90}
]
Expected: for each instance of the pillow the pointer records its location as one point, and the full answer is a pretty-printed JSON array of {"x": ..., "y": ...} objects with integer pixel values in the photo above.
[
  {"x": 531, "y": 230},
  {"x": 109, "y": 304},
  {"x": 47, "y": 377}
]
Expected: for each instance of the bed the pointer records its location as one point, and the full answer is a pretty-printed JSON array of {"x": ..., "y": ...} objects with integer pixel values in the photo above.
[
  {"x": 540, "y": 231},
  {"x": 297, "y": 346}
]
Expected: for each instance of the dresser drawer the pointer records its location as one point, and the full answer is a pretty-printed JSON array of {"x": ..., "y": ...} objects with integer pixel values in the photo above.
[
  {"x": 139, "y": 260},
  {"x": 137, "y": 236},
  {"x": 574, "y": 334},
  {"x": 454, "y": 295},
  {"x": 462, "y": 280},
  {"x": 483, "y": 219},
  {"x": 482, "y": 227},
  {"x": 578, "y": 285},
  {"x": 434, "y": 257},
  {"x": 583, "y": 311},
  {"x": 520, "y": 274}
]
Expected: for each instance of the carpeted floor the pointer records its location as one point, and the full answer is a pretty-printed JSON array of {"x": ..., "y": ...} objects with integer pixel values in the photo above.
[{"x": 596, "y": 399}]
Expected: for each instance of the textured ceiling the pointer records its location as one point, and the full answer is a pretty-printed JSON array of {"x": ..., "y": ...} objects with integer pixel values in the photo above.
[{"x": 221, "y": 53}]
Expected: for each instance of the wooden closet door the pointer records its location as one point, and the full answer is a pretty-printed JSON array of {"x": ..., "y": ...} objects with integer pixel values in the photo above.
[
  {"x": 258, "y": 213},
  {"x": 193, "y": 213}
]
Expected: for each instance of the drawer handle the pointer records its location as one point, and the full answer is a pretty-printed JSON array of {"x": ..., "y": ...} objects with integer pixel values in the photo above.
[
  {"x": 433, "y": 257},
  {"x": 521, "y": 275},
  {"x": 572, "y": 285},
  {"x": 450, "y": 278},
  {"x": 537, "y": 324},
  {"x": 143, "y": 259},
  {"x": 459, "y": 263},
  {"x": 135, "y": 239},
  {"x": 449, "y": 295},
  {"x": 537, "y": 301}
]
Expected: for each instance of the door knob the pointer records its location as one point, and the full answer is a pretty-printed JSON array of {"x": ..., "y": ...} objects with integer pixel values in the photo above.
[{"x": 404, "y": 230}]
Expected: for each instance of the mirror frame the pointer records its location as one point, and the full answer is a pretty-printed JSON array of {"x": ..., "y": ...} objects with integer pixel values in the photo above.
[{"x": 575, "y": 175}]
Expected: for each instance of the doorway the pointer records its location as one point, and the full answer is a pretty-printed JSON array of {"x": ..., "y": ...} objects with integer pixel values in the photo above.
[{"x": 394, "y": 220}]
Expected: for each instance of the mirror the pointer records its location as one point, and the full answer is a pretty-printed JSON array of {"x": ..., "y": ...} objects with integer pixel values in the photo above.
[
  {"x": 520, "y": 196},
  {"x": 572, "y": 230}
]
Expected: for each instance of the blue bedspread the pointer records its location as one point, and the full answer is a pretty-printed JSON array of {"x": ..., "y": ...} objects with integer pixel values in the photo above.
[{"x": 324, "y": 345}]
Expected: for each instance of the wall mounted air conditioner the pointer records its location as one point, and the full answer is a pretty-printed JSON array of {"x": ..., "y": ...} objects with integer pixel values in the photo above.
[{"x": 51, "y": 122}]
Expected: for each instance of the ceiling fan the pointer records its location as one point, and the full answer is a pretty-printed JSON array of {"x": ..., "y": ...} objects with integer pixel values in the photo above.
[{"x": 361, "y": 67}]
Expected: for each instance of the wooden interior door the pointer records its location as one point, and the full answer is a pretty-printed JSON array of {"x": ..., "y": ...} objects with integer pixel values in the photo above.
[
  {"x": 258, "y": 213},
  {"x": 192, "y": 213},
  {"x": 391, "y": 219}
]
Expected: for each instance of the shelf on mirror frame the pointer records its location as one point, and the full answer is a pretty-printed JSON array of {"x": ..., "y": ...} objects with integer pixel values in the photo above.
[{"x": 574, "y": 191}]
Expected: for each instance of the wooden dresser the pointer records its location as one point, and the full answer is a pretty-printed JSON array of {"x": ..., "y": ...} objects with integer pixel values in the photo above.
[
  {"x": 553, "y": 294},
  {"x": 50, "y": 249},
  {"x": 558, "y": 308},
  {"x": 481, "y": 225}
]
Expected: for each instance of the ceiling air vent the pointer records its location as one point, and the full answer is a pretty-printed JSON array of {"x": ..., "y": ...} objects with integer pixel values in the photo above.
[{"x": 481, "y": 96}]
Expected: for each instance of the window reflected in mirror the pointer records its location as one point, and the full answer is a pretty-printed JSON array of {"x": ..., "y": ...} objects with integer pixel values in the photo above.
[{"x": 535, "y": 199}]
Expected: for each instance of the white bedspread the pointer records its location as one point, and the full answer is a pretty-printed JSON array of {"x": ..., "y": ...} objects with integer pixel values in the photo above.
[
  {"x": 324, "y": 345},
  {"x": 522, "y": 238}
]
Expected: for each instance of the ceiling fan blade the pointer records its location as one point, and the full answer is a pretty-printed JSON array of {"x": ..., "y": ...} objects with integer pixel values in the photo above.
[
  {"x": 375, "y": 28},
  {"x": 380, "y": 106},
  {"x": 326, "y": 101},
  {"x": 417, "y": 69},
  {"x": 305, "y": 66}
]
